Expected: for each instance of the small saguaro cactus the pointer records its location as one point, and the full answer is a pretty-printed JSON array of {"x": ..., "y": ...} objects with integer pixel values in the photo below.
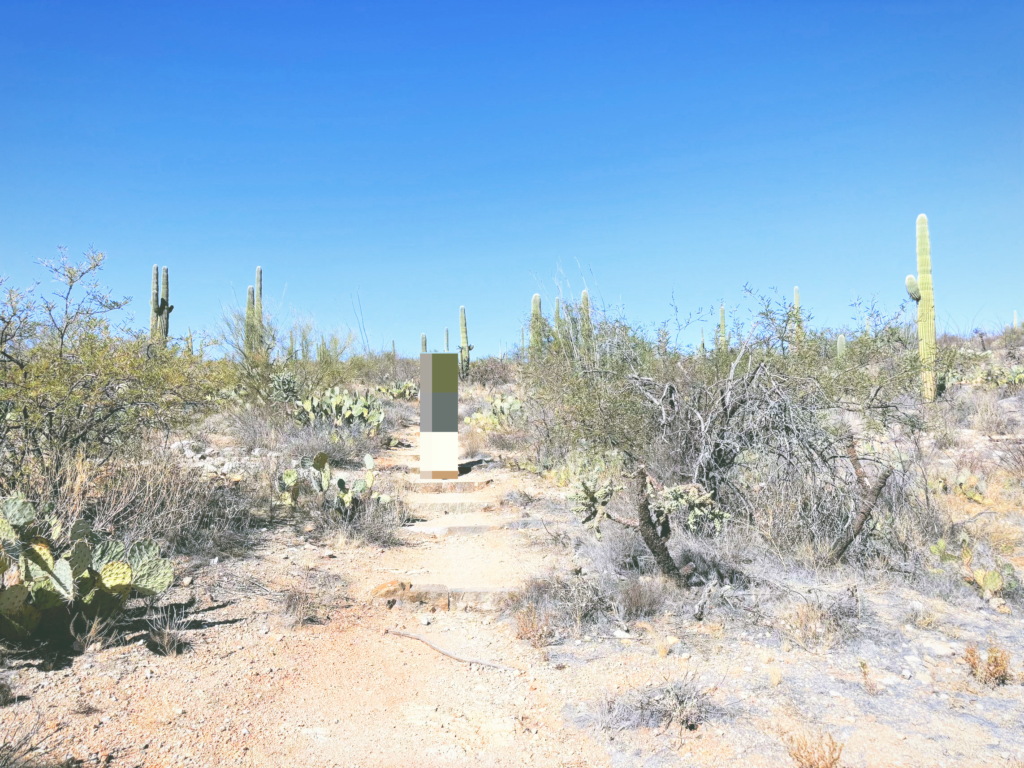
[
  {"x": 920, "y": 290},
  {"x": 160, "y": 307},
  {"x": 1015, "y": 325},
  {"x": 446, "y": 338},
  {"x": 798, "y": 322},
  {"x": 586, "y": 326},
  {"x": 702, "y": 349},
  {"x": 536, "y": 329},
  {"x": 722, "y": 335},
  {"x": 423, "y": 343},
  {"x": 464, "y": 346},
  {"x": 841, "y": 346}
]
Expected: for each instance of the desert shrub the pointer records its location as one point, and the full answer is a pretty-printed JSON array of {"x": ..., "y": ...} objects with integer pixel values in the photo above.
[
  {"x": 994, "y": 670},
  {"x": 255, "y": 427},
  {"x": 813, "y": 750},
  {"x": 640, "y": 599},
  {"x": 492, "y": 371},
  {"x": 75, "y": 387},
  {"x": 683, "y": 703},
  {"x": 154, "y": 494},
  {"x": 567, "y": 605}
]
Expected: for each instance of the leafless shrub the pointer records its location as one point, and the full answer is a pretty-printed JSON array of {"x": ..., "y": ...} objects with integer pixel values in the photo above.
[
  {"x": 6, "y": 694},
  {"x": 821, "y": 622},
  {"x": 683, "y": 703},
  {"x": 533, "y": 627},
  {"x": 812, "y": 750},
  {"x": 19, "y": 738},
  {"x": 987, "y": 416},
  {"x": 568, "y": 604},
  {"x": 255, "y": 427},
  {"x": 167, "y": 632},
  {"x": 641, "y": 598},
  {"x": 1012, "y": 459}
]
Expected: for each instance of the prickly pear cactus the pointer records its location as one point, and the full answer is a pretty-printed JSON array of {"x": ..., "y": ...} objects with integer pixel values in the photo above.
[
  {"x": 18, "y": 511},
  {"x": 152, "y": 577},
  {"x": 79, "y": 558},
  {"x": 116, "y": 578},
  {"x": 12, "y": 598},
  {"x": 142, "y": 551},
  {"x": 107, "y": 552}
]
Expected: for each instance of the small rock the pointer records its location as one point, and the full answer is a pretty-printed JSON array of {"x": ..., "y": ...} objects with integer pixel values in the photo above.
[
  {"x": 424, "y": 620},
  {"x": 621, "y": 634},
  {"x": 906, "y": 674},
  {"x": 187, "y": 581},
  {"x": 937, "y": 648}
]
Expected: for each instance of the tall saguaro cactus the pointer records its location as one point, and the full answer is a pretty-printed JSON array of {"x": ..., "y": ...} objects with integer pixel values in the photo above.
[
  {"x": 254, "y": 337},
  {"x": 446, "y": 338},
  {"x": 423, "y": 343},
  {"x": 920, "y": 290},
  {"x": 464, "y": 346},
  {"x": 160, "y": 307}
]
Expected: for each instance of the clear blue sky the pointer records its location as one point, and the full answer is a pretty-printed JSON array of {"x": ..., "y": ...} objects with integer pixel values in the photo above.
[{"x": 429, "y": 155}]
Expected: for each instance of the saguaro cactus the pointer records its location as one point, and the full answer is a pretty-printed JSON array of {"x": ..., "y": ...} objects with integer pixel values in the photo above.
[
  {"x": 536, "y": 329},
  {"x": 722, "y": 336},
  {"x": 920, "y": 290},
  {"x": 258, "y": 308},
  {"x": 841, "y": 346},
  {"x": 798, "y": 322},
  {"x": 558, "y": 318},
  {"x": 586, "y": 325},
  {"x": 423, "y": 343},
  {"x": 250, "y": 323},
  {"x": 1015, "y": 326},
  {"x": 702, "y": 349},
  {"x": 464, "y": 346},
  {"x": 446, "y": 338},
  {"x": 160, "y": 308}
]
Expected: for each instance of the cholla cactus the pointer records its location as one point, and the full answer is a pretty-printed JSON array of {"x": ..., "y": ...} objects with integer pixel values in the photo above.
[{"x": 920, "y": 290}]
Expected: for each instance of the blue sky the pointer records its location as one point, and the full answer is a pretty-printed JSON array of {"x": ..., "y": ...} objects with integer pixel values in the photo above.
[{"x": 427, "y": 155}]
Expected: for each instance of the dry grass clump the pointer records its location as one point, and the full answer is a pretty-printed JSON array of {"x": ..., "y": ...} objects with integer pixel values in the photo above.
[
  {"x": 92, "y": 635},
  {"x": 567, "y": 604},
  {"x": 994, "y": 670},
  {"x": 822, "y": 622},
  {"x": 167, "y": 632},
  {"x": 640, "y": 599},
  {"x": 813, "y": 750},
  {"x": 533, "y": 627},
  {"x": 310, "y": 599},
  {"x": 684, "y": 703},
  {"x": 869, "y": 681}
]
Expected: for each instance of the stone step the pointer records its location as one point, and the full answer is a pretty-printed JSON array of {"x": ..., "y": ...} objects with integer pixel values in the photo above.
[
  {"x": 438, "y": 597},
  {"x": 438, "y": 504},
  {"x": 462, "y": 485},
  {"x": 470, "y": 525}
]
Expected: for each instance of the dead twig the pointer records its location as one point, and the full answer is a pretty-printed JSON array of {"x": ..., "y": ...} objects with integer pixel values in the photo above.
[{"x": 448, "y": 654}]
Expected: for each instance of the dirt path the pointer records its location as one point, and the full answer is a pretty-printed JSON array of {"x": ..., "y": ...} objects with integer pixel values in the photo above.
[{"x": 258, "y": 691}]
